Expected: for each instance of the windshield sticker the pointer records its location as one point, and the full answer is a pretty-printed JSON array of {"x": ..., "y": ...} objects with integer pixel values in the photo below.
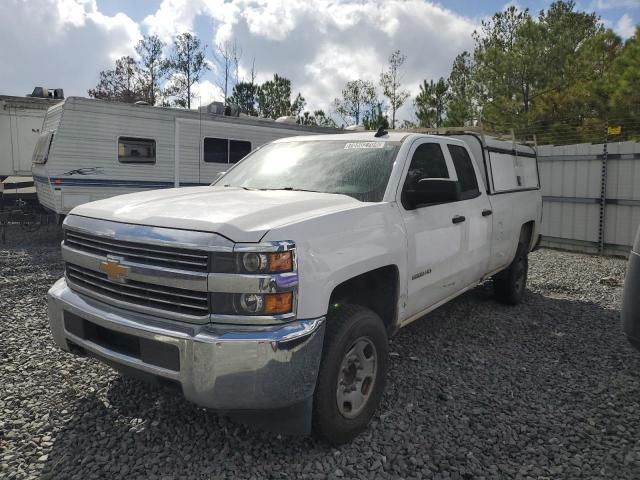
[{"x": 354, "y": 145}]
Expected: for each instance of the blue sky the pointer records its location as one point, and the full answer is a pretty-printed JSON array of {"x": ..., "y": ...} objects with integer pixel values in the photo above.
[
  {"x": 318, "y": 44},
  {"x": 611, "y": 10}
]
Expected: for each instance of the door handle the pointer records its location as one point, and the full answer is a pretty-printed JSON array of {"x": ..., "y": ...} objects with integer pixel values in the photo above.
[
  {"x": 458, "y": 219},
  {"x": 486, "y": 212}
]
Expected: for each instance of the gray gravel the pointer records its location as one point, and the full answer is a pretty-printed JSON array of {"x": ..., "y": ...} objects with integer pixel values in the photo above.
[{"x": 546, "y": 390}]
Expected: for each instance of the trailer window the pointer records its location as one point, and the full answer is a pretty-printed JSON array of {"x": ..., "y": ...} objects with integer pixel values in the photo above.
[
  {"x": 221, "y": 150},
  {"x": 216, "y": 150},
  {"x": 136, "y": 150},
  {"x": 238, "y": 149},
  {"x": 466, "y": 173}
]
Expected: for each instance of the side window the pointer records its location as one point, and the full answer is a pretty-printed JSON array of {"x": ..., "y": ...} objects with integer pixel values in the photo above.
[
  {"x": 216, "y": 150},
  {"x": 136, "y": 150},
  {"x": 466, "y": 173},
  {"x": 427, "y": 162},
  {"x": 238, "y": 149}
]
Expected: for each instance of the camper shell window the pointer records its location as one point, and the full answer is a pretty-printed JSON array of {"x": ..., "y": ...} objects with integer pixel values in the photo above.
[
  {"x": 136, "y": 150},
  {"x": 222, "y": 150}
]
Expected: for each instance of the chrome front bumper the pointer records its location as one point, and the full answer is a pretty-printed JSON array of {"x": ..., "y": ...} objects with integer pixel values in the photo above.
[{"x": 222, "y": 367}]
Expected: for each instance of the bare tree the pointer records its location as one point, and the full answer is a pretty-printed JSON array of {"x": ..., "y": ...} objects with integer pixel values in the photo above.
[
  {"x": 245, "y": 93},
  {"x": 227, "y": 55},
  {"x": 390, "y": 81}
]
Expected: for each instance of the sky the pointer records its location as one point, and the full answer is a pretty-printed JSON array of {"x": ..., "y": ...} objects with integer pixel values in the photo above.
[{"x": 318, "y": 44}]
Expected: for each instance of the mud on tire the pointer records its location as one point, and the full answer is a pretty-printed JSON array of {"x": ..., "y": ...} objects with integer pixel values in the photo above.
[{"x": 352, "y": 373}]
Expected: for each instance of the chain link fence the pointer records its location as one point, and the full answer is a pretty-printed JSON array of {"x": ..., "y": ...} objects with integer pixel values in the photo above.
[{"x": 590, "y": 179}]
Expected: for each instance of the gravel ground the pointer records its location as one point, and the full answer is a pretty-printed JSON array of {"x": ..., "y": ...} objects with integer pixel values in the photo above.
[{"x": 546, "y": 390}]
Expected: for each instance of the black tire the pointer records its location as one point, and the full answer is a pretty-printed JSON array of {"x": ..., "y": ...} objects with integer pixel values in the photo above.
[
  {"x": 348, "y": 326},
  {"x": 510, "y": 285}
]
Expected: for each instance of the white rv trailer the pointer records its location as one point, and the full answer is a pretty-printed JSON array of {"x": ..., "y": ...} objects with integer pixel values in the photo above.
[
  {"x": 20, "y": 124},
  {"x": 92, "y": 149}
]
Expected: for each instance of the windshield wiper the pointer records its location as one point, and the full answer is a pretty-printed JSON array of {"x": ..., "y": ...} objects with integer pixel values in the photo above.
[
  {"x": 244, "y": 188},
  {"x": 292, "y": 189}
]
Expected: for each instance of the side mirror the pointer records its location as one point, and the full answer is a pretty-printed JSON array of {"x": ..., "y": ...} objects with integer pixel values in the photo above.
[{"x": 432, "y": 190}]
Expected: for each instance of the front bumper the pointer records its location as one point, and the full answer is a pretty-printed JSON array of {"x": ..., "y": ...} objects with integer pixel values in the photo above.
[{"x": 222, "y": 367}]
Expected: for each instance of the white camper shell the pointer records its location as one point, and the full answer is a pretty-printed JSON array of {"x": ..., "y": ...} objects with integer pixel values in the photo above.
[
  {"x": 92, "y": 149},
  {"x": 506, "y": 165}
]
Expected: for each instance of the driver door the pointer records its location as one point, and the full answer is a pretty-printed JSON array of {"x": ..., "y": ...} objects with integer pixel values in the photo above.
[{"x": 436, "y": 244}]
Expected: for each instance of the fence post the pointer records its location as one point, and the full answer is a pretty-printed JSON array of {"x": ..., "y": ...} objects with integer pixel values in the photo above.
[{"x": 603, "y": 191}]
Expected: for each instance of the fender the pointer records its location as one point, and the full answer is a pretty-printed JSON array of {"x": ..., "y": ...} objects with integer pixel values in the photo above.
[{"x": 336, "y": 247}]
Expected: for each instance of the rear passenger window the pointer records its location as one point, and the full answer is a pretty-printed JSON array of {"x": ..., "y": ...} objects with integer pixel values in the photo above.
[
  {"x": 427, "y": 162},
  {"x": 216, "y": 150},
  {"x": 464, "y": 170},
  {"x": 136, "y": 150},
  {"x": 238, "y": 149}
]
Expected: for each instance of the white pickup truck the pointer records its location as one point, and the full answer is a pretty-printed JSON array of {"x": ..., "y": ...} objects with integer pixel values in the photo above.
[{"x": 276, "y": 289}]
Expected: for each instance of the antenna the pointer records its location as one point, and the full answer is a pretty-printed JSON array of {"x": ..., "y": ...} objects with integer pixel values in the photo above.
[{"x": 381, "y": 132}]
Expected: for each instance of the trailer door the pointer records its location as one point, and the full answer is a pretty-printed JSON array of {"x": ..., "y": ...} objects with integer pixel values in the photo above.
[{"x": 27, "y": 130}]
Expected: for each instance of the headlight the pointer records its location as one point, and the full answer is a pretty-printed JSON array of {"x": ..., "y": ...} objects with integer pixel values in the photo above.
[
  {"x": 259, "y": 280},
  {"x": 254, "y": 262},
  {"x": 277, "y": 262},
  {"x": 253, "y": 303}
]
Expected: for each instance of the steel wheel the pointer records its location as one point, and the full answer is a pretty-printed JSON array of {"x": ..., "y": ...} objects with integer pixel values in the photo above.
[{"x": 357, "y": 377}]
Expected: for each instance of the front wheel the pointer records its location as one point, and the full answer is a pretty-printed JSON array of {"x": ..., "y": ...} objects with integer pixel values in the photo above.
[{"x": 352, "y": 373}]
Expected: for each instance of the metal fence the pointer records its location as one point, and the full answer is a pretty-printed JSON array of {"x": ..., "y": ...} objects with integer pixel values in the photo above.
[{"x": 591, "y": 196}]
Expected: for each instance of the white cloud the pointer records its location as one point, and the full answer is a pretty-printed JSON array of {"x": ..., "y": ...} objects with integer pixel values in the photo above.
[
  {"x": 625, "y": 26},
  {"x": 321, "y": 45},
  {"x": 206, "y": 92},
  {"x": 59, "y": 43},
  {"x": 174, "y": 17},
  {"x": 609, "y": 4}
]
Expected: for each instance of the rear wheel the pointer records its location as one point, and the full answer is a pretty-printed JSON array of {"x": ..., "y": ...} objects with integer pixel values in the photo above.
[
  {"x": 352, "y": 373},
  {"x": 510, "y": 284}
]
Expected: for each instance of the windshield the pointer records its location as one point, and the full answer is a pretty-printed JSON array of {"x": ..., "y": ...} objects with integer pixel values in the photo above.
[{"x": 358, "y": 169}]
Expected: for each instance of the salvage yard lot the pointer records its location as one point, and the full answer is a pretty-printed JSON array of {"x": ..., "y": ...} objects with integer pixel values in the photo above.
[{"x": 547, "y": 389}]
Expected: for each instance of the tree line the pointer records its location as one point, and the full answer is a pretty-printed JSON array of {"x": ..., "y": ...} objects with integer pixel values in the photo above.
[
  {"x": 169, "y": 81},
  {"x": 560, "y": 74},
  {"x": 546, "y": 72}
]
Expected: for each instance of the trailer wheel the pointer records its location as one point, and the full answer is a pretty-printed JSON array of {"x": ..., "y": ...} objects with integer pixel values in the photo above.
[
  {"x": 510, "y": 284},
  {"x": 352, "y": 373}
]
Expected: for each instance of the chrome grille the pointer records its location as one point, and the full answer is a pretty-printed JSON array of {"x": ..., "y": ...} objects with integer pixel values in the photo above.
[
  {"x": 154, "y": 255},
  {"x": 171, "y": 299}
]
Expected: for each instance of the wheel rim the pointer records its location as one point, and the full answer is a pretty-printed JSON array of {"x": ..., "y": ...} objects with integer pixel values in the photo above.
[{"x": 356, "y": 377}]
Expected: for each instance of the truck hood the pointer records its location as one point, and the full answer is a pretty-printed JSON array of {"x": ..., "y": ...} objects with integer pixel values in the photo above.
[{"x": 238, "y": 214}]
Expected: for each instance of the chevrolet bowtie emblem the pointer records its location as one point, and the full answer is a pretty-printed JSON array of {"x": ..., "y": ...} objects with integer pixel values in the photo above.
[{"x": 114, "y": 270}]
